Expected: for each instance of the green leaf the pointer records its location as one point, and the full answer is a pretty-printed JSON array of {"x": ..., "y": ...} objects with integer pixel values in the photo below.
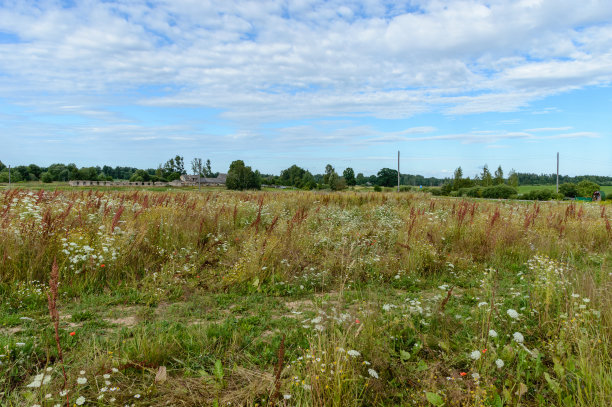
[
  {"x": 404, "y": 355},
  {"x": 497, "y": 401},
  {"x": 554, "y": 385},
  {"x": 218, "y": 370},
  {"x": 434, "y": 399}
]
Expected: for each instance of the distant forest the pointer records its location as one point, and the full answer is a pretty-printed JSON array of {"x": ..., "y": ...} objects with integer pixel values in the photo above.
[{"x": 292, "y": 176}]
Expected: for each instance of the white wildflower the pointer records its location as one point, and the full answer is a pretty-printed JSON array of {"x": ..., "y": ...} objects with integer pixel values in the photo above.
[
  {"x": 136, "y": 396},
  {"x": 512, "y": 313},
  {"x": 475, "y": 376},
  {"x": 518, "y": 337},
  {"x": 475, "y": 355},
  {"x": 353, "y": 353},
  {"x": 499, "y": 363},
  {"x": 492, "y": 333},
  {"x": 482, "y": 304},
  {"x": 373, "y": 373},
  {"x": 80, "y": 401},
  {"x": 106, "y": 376},
  {"x": 81, "y": 380},
  {"x": 287, "y": 396}
]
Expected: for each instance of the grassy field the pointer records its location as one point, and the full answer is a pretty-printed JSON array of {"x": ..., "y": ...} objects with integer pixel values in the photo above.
[{"x": 293, "y": 298}]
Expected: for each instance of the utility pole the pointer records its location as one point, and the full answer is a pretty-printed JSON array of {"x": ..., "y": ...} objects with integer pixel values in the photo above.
[
  {"x": 557, "y": 172},
  {"x": 398, "y": 174}
]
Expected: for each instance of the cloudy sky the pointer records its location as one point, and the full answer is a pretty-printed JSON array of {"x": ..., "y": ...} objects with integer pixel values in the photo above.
[{"x": 281, "y": 82}]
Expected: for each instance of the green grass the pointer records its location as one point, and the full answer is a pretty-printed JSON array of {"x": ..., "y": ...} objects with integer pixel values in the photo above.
[{"x": 377, "y": 299}]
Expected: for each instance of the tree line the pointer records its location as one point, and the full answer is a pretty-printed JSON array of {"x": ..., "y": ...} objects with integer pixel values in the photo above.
[{"x": 241, "y": 176}]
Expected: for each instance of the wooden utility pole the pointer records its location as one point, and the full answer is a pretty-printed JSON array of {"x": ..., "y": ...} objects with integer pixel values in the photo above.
[
  {"x": 398, "y": 174},
  {"x": 557, "y": 172}
]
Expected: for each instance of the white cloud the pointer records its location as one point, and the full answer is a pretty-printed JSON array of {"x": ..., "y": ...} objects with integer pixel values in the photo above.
[{"x": 310, "y": 58}]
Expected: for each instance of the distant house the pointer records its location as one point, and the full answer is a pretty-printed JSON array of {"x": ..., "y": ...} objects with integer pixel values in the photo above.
[
  {"x": 185, "y": 180},
  {"x": 193, "y": 180}
]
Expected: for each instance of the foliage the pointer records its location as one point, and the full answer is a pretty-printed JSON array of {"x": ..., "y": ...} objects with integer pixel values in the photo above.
[
  {"x": 500, "y": 191},
  {"x": 586, "y": 188},
  {"x": 387, "y": 177},
  {"x": 568, "y": 189},
  {"x": 349, "y": 177},
  {"x": 240, "y": 177}
]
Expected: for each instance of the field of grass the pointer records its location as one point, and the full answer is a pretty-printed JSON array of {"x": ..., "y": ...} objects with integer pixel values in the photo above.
[{"x": 300, "y": 298}]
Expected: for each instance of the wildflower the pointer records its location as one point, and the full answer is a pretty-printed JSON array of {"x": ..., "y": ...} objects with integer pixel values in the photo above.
[
  {"x": 512, "y": 313},
  {"x": 475, "y": 376},
  {"x": 63, "y": 393},
  {"x": 356, "y": 320},
  {"x": 82, "y": 380},
  {"x": 287, "y": 396},
  {"x": 20, "y": 344},
  {"x": 136, "y": 396},
  {"x": 82, "y": 372},
  {"x": 499, "y": 363},
  {"x": 518, "y": 337},
  {"x": 463, "y": 373},
  {"x": 373, "y": 373},
  {"x": 492, "y": 333},
  {"x": 102, "y": 265},
  {"x": 475, "y": 355},
  {"x": 484, "y": 351},
  {"x": 80, "y": 401},
  {"x": 106, "y": 376},
  {"x": 72, "y": 333},
  {"x": 482, "y": 304},
  {"x": 353, "y": 353}
]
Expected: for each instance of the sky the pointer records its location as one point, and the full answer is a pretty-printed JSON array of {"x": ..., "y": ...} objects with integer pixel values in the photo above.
[{"x": 309, "y": 82}]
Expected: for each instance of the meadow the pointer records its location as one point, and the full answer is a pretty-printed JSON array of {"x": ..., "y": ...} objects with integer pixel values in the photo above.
[{"x": 294, "y": 298}]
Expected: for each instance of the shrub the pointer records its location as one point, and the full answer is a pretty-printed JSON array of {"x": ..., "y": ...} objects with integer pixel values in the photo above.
[
  {"x": 46, "y": 177},
  {"x": 377, "y": 188},
  {"x": 539, "y": 195},
  {"x": 586, "y": 188},
  {"x": 568, "y": 189},
  {"x": 501, "y": 191}
]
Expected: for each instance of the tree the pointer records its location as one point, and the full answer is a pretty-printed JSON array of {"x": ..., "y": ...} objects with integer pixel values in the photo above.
[
  {"x": 499, "y": 176},
  {"x": 349, "y": 177},
  {"x": 360, "y": 179},
  {"x": 336, "y": 183},
  {"x": 329, "y": 170},
  {"x": 513, "y": 179},
  {"x": 295, "y": 176},
  {"x": 586, "y": 188},
  {"x": 240, "y": 177},
  {"x": 46, "y": 177},
  {"x": 208, "y": 173},
  {"x": 196, "y": 167},
  {"x": 458, "y": 174},
  {"x": 2, "y": 166},
  {"x": 485, "y": 177},
  {"x": 387, "y": 177}
]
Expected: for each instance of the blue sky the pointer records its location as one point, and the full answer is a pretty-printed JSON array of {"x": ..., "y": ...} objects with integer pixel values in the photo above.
[{"x": 282, "y": 82}]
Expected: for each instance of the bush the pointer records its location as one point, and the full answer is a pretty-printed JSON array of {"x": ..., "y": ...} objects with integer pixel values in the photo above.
[
  {"x": 405, "y": 188},
  {"x": 46, "y": 177},
  {"x": 539, "y": 195},
  {"x": 501, "y": 191},
  {"x": 586, "y": 188},
  {"x": 568, "y": 189},
  {"x": 377, "y": 188}
]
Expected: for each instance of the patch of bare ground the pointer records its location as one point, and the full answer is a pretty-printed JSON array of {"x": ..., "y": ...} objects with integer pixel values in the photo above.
[{"x": 123, "y": 316}]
